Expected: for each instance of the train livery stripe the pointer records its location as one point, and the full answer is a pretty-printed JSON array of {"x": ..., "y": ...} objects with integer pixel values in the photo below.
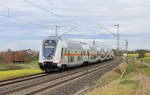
[
  {"x": 83, "y": 54},
  {"x": 72, "y": 54}
]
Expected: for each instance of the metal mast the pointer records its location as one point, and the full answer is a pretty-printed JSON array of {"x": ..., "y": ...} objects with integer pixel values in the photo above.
[
  {"x": 126, "y": 45},
  {"x": 56, "y": 30},
  {"x": 118, "y": 37}
]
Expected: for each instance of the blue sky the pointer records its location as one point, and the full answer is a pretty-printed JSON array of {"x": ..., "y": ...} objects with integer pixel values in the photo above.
[{"x": 27, "y": 25}]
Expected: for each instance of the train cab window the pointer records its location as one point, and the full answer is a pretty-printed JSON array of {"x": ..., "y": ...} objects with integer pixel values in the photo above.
[{"x": 49, "y": 47}]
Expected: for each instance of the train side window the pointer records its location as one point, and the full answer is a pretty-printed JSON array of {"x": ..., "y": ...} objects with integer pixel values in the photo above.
[
  {"x": 88, "y": 54},
  {"x": 79, "y": 58},
  {"x": 83, "y": 53},
  {"x": 65, "y": 50},
  {"x": 62, "y": 50},
  {"x": 70, "y": 58}
]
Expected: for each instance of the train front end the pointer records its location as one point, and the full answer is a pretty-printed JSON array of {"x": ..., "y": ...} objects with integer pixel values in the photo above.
[{"x": 48, "y": 60}]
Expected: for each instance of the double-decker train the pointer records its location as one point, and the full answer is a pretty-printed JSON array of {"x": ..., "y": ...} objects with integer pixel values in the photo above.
[{"x": 59, "y": 53}]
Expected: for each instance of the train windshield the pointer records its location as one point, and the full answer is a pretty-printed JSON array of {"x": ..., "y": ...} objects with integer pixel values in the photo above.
[{"x": 49, "y": 48}]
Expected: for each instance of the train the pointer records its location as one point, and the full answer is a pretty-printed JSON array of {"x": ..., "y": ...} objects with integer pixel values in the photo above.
[{"x": 59, "y": 53}]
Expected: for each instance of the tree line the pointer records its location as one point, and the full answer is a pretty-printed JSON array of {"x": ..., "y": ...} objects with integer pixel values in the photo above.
[{"x": 20, "y": 56}]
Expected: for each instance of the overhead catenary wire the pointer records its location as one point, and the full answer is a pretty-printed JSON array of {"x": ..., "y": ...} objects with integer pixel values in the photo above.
[
  {"x": 68, "y": 31},
  {"x": 47, "y": 10},
  {"x": 89, "y": 22},
  {"x": 44, "y": 9},
  {"x": 21, "y": 20},
  {"x": 50, "y": 3},
  {"x": 8, "y": 15},
  {"x": 24, "y": 21},
  {"x": 61, "y": 16},
  {"x": 43, "y": 26},
  {"x": 107, "y": 30}
]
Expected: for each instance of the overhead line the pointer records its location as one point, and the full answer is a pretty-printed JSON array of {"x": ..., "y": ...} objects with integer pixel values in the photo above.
[
  {"x": 51, "y": 3},
  {"x": 69, "y": 31},
  {"x": 44, "y": 9},
  {"x": 89, "y": 22},
  {"x": 10, "y": 17},
  {"x": 107, "y": 30}
]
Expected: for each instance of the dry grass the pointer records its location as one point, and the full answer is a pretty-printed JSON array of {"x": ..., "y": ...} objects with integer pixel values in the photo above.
[
  {"x": 113, "y": 75},
  {"x": 145, "y": 85},
  {"x": 114, "y": 88},
  {"x": 135, "y": 82}
]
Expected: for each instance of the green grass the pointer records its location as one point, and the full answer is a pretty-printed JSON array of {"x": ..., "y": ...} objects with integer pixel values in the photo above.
[
  {"x": 33, "y": 64},
  {"x": 9, "y": 66},
  {"x": 130, "y": 68},
  {"x": 146, "y": 59},
  {"x": 18, "y": 73},
  {"x": 140, "y": 67},
  {"x": 21, "y": 69}
]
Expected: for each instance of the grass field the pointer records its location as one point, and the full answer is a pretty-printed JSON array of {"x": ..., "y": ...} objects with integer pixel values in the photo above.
[
  {"x": 17, "y": 73},
  {"x": 133, "y": 55},
  {"x": 136, "y": 54},
  {"x": 9, "y": 66},
  {"x": 33, "y": 64},
  {"x": 147, "y": 54},
  {"x": 136, "y": 81},
  {"x": 146, "y": 59},
  {"x": 15, "y": 70}
]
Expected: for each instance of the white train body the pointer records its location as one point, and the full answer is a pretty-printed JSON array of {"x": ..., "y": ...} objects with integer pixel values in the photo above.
[{"x": 58, "y": 53}]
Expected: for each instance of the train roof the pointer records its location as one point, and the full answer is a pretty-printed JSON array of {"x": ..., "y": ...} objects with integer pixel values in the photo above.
[{"x": 73, "y": 44}]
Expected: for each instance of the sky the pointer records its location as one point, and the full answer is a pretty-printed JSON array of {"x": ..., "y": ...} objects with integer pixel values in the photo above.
[{"x": 25, "y": 23}]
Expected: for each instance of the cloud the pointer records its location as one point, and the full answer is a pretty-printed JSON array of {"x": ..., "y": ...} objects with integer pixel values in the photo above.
[
  {"x": 21, "y": 44},
  {"x": 132, "y": 15}
]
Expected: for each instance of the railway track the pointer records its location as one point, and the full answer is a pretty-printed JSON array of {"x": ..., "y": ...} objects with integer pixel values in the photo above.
[
  {"x": 41, "y": 83},
  {"x": 20, "y": 79}
]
